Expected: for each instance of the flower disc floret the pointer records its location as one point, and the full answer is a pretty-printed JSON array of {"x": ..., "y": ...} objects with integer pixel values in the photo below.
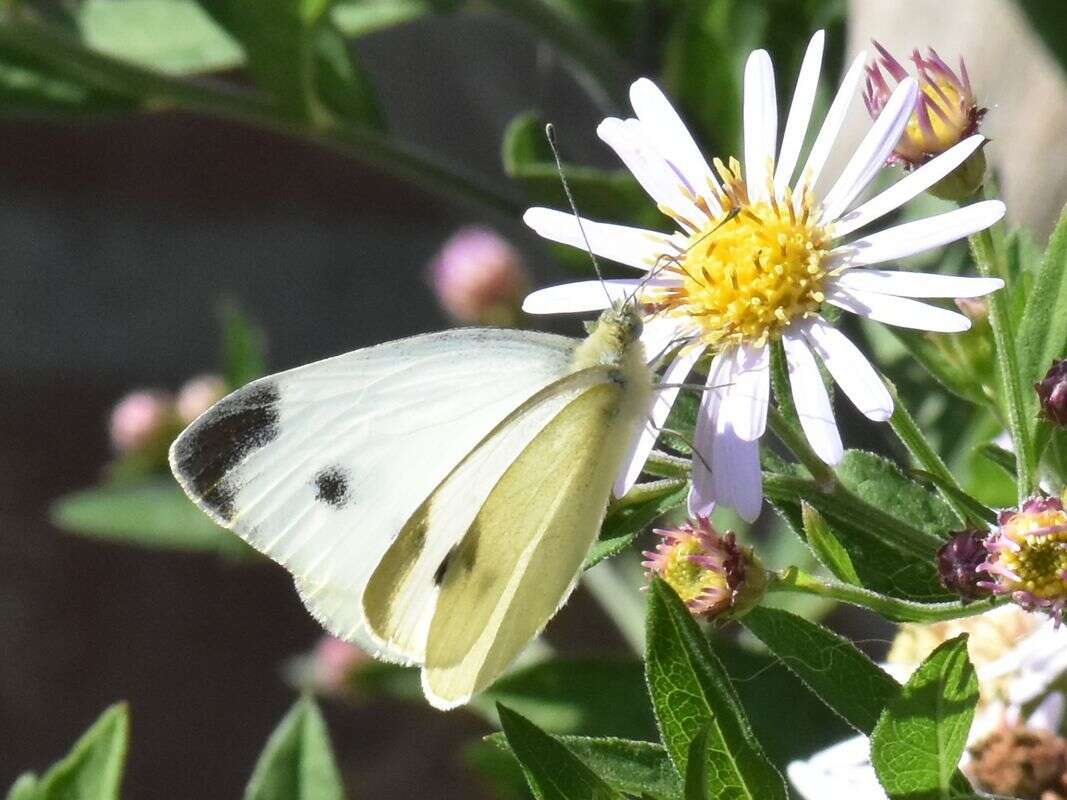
[
  {"x": 1028, "y": 556},
  {"x": 752, "y": 271}
]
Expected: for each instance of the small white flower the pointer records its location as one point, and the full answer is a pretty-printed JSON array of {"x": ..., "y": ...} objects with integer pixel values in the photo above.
[{"x": 764, "y": 274}]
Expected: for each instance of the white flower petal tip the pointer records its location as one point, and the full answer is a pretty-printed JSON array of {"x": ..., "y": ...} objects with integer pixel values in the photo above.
[
  {"x": 796, "y": 126},
  {"x": 760, "y": 122},
  {"x": 634, "y": 247},
  {"x": 850, "y": 369},
  {"x": 812, "y": 400},
  {"x": 902, "y": 312},
  {"x": 570, "y": 298},
  {"x": 915, "y": 284},
  {"x": 910, "y": 238}
]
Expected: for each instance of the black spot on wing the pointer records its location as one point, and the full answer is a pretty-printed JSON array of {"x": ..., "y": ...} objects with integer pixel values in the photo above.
[
  {"x": 439, "y": 574},
  {"x": 331, "y": 486},
  {"x": 222, "y": 438}
]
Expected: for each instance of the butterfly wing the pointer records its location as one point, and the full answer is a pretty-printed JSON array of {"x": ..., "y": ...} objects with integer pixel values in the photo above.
[
  {"x": 522, "y": 555},
  {"x": 319, "y": 467}
]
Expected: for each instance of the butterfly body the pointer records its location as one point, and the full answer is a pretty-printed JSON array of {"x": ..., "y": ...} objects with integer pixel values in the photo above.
[{"x": 434, "y": 497}]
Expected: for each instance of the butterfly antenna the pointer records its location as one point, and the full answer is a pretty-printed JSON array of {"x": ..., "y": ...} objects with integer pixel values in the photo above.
[{"x": 550, "y": 134}]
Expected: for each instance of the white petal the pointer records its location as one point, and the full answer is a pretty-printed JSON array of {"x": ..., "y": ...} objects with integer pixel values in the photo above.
[
  {"x": 670, "y": 136},
  {"x": 568, "y": 298},
  {"x": 634, "y": 247},
  {"x": 627, "y": 138},
  {"x": 761, "y": 124},
  {"x": 661, "y": 334},
  {"x": 899, "y": 311},
  {"x": 749, "y": 391},
  {"x": 915, "y": 284},
  {"x": 702, "y": 494},
  {"x": 831, "y": 125},
  {"x": 875, "y": 148},
  {"x": 850, "y": 369},
  {"x": 908, "y": 187},
  {"x": 662, "y": 401},
  {"x": 796, "y": 126},
  {"x": 736, "y": 477},
  {"x": 922, "y": 234},
  {"x": 812, "y": 400}
]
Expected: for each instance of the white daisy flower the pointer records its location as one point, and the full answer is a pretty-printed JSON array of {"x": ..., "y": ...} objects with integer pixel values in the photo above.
[{"x": 754, "y": 257}]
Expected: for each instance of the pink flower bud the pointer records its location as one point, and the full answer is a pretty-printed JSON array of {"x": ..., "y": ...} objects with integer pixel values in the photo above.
[
  {"x": 479, "y": 278},
  {"x": 333, "y": 662},
  {"x": 139, "y": 419},
  {"x": 1052, "y": 393},
  {"x": 198, "y": 395}
]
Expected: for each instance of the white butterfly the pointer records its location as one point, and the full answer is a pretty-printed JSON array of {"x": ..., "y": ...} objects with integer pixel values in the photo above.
[{"x": 433, "y": 497}]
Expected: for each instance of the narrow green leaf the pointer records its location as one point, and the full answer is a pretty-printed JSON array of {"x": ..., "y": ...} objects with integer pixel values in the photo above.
[
  {"x": 999, "y": 456},
  {"x": 243, "y": 347},
  {"x": 1016, "y": 394},
  {"x": 297, "y": 762},
  {"x": 613, "y": 194},
  {"x": 691, "y": 692},
  {"x": 29, "y": 87},
  {"x": 698, "y": 785},
  {"x": 153, "y": 513},
  {"x": 633, "y": 768},
  {"x": 362, "y": 17},
  {"x": 1043, "y": 331},
  {"x": 921, "y": 734},
  {"x": 932, "y": 352},
  {"x": 24, "y": 788},
  {"x": 827, "y": 548},
  {"x": 973, "y": 510},
  {"x": 848, "y": 682},
  {"x": 625, "y": 522},
  {"x": 93, "y": 768},
  {"x": 553, "y": 771}
]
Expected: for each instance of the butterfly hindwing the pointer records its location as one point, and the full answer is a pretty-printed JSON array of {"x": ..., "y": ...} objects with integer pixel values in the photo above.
[{"x": 320, "y": 467}]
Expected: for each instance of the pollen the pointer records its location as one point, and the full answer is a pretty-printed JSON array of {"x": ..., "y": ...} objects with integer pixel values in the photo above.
[{"x": 753, "y": 270}]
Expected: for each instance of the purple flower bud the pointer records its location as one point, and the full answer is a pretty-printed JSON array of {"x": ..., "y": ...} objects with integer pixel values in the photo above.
[
  {"x": 1052, "y": 393},
  {"x": 333, "y": 662},
  {"x": 958, "y": 561},
  {"x": 198, "y": 395},
  {"x": 139, "y": 419},
  {"x": 479, "y": 278}
]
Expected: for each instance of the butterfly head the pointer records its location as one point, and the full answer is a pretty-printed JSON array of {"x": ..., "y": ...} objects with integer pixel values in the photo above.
[{"x": 621, "y": 323}]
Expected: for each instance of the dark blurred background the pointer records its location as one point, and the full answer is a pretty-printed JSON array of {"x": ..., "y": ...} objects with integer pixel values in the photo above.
[{"x": 119, "y": 238}]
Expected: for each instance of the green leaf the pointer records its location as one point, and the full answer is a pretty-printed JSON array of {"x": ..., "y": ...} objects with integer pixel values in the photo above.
[
  {"x": 691, "y": 692},
  {"x": 934, "y": 353},
  {"x": 1042, "y": 334},
  {"x": 633, "y": 768},
  {"x": 553, "y": 771},
  {"x": 974, "y": 511},
  {"x": 600, "y": 697},
  {"x": 292, "y": 49},
  {"x": 625, "y": 522},
  {"x": 297, "y": 762},
  {"x": 920, "y": 736},
  {"x": 361, "y": 17},
  {"x": 172, "y": 36},
  {"x": 24, "y": 788},
  {"x": 243, "y": 347},
  {"x": 848, "y": 682},
  {"x": 93, "y": 768},
  {"x": 154, "y": 513},
  {"x": 607, "y": 194},
  {"x": 29, "y": 87},
  {"x": 699, "y": 780},
  {"x": 827, "y": 548},
  {"x": 1004, "y": 459}
]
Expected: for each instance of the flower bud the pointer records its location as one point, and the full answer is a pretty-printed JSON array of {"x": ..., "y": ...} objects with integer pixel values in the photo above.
[
  {"x": 958, "y": 561},
  {"x": 1027, "y": 558},
  {"x": 1052, "y": 393},
  {"x": 198, "y": 395},
  {"x": 976, "y": 309},
  {"x": 140, "y": 419},
  {"x": 479, "y": 278},
  {"x": 712, "y": 574},
  {"x": 333, "y": 662},
  {"x": 946, "y": 113}
]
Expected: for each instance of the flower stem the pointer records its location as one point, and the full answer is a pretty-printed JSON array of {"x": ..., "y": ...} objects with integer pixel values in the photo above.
[
  {"x": 907, "y": 430},
  {"x": 158, "y": 92},
  {"x": 1009, "y": 377},
  {"x": 796, "y": 580}
]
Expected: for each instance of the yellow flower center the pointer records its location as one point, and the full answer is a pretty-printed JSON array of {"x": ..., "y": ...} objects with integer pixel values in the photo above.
[
  {"x": 751, "y": 271},
  {"x": 1041, "y": 559},
  {"x": 689, "y": 579}
]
